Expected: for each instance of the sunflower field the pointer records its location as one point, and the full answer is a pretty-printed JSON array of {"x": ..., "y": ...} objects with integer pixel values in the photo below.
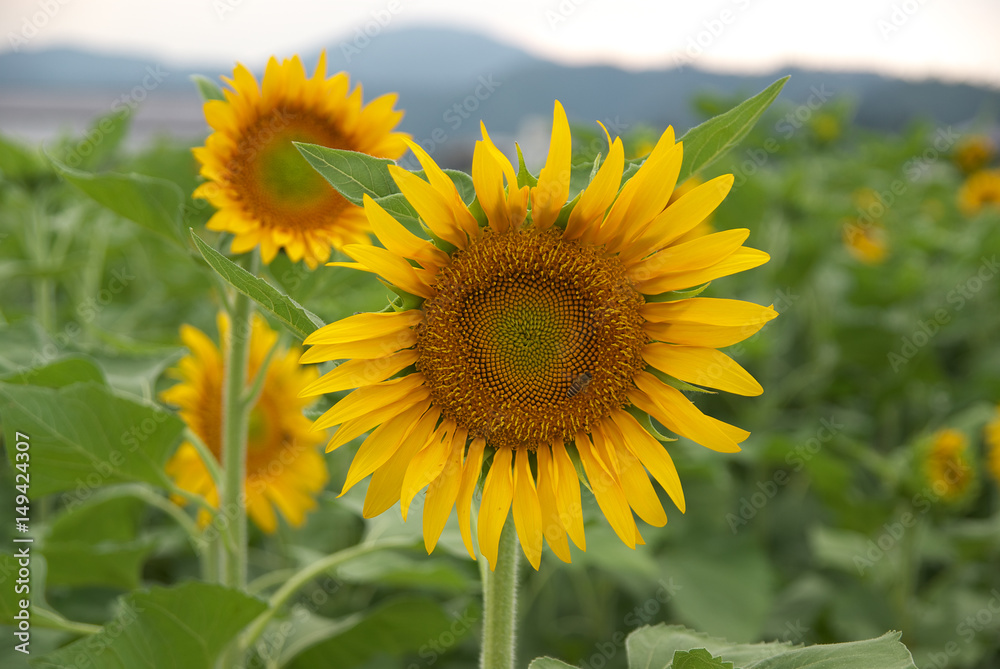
[{"x": 245, "y": 381}]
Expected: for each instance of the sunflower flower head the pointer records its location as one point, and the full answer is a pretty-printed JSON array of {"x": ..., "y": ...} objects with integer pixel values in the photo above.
[
  {"x": 537, "y": 342},
  {"x": 947, "y": 467},
  {"x": 981, "y": 190},
  {"x": 284, "y": 468},
  {"x": 973, "y": 153},
  {"x": 866, "y": 242},
  {"x": 265, "y": 193}
]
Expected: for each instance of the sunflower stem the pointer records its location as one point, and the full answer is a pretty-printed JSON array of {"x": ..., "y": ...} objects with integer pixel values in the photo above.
[
  {"x": 500, "y": 604},
  {"x": 235, "y": 416}
]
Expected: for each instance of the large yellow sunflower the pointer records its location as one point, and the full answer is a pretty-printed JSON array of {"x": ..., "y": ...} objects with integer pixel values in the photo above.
[
  {"x": 543, "y": 338},
  {"x": 284, "y": 467},
  {"x": 265, "y": 192}
]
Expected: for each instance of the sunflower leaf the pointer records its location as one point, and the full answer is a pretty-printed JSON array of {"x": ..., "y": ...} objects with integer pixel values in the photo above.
[
  {"x": 83, "y": 436},
  {"x": 207, "y": 89},
  {"x": 699, "y": 658},
  {"x": 300, "y": 321},
  {"x": 183, "y": 627},
  {"x": 707, "y": 142},
  {"x": 352, "y": 174},
  {"x": 155, "y": 204}
]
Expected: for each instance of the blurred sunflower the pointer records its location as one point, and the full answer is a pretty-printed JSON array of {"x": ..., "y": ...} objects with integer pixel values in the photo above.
[
  {"x": 992, "y": 437},
  {"x": 866, "y": 243},
  {"x": 536, "y": 340},
  {"x": 973, "y": 153},
  {"x": 265, "y": 192},
  {"x": 284, "y": 468},
  {"x": 946, "y": 465},
  {"x": 980, "y": 190}
]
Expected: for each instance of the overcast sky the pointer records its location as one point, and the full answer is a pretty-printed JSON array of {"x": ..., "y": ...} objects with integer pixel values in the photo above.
[{"x": 953, "y": 39}]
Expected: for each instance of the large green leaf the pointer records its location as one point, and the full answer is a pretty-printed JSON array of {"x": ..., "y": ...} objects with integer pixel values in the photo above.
[
  {"x": 184, "y": 627},
  {"x": 406, "y": 625},
  {"x": 698, "y": 658},
  {"x": 654, "y": 648},
  {"x": 706, "y": 143},
  {"x": 352, "y": 174},
  {"x": 155, "y": 204},
  {"x": 97, "y": 543},
  {"x": 62, "y": 372},
  {"x": 83, "y": 436},
  {"x": 299, "y": 320}
]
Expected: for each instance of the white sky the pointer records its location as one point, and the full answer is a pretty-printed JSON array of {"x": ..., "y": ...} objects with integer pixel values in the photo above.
[{"x": 953, "y": 39}]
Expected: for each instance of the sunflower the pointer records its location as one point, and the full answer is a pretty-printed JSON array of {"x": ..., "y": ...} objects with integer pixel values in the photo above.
[
  {"x": 992, "y": 438},
  {"x": 865, "y": 242},
  {"x": 980, "y": 190},
  {"x": 535, "y": 341},
  {"x": 973, "y": 153},
  {"x": 265, "y": 192},
  {"x": 947, "y": 467},
  {"x": 284, "y": 468}
]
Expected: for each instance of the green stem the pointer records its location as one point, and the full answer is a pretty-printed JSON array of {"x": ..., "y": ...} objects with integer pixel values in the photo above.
[
  {"x": 53, "y": 620},
  {"x": 235, "y": 414},
  {"x": 307, "y": 574},
  {"x": 500, "y": 604}
]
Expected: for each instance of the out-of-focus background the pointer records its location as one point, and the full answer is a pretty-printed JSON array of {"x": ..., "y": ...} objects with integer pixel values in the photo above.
[{"x": 866, "y": 498}]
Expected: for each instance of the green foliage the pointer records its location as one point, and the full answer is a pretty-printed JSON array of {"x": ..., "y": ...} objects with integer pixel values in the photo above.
[{"x": 184, "y": 627}]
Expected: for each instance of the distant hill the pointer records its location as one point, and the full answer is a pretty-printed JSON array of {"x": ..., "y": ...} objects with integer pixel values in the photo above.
[{"x": 434, "y": 69}]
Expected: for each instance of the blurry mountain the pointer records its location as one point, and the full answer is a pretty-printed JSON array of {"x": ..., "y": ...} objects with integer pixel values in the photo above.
[{"x": 448, "y": 81}]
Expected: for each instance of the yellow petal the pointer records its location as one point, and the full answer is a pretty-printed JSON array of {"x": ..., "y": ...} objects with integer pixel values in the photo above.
[
  {"x": 703, "y": 367},
  {"x": 364, "y": 326},
  {"x": 689, "y": 256},
  {"x": 567, "y": 484},
  {"x": 497, "y": 494},
  {"x": 608, "y": 493},
  {"x": 552, "y": 527},
  {"x": 358, "y": 426},
  {"x": 443, "y": 184},
  {"x": 679, "y": 218},
  {"x": 441, "y": 493},
  {"x": 433, "y": 207},
  {"x": 548, "y": 197},
  {"x": 357, "y": 373},
  {"x": 401, "y": 241},
  {"x": 527, "y": 510},
  {"x": 470, "y": 477},
  {"x": 676, "y": 412},
  {"x": 383, "y": 443},
  {"x": 365, "y": 349},
  {"x": 634, "y": 481},
  {"x": 653, "y": 185},
  {"x": 487, "y": 177},
  {"x": 387, "y": 481},
  {"x": 369, "y": 398},
  {"x": 652, "y": 454},
  {"x": 599, "y": 194},
  {"x": 427, "y": 464},
  {"x": 392, "y": 268},
  {"x": 743, "y": 259}
]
